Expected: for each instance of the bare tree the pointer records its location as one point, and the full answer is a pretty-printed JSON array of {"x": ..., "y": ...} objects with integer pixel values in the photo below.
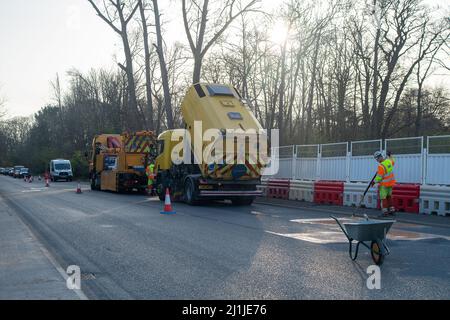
[
  {"x": 163, "y": 67},
  {"x": 148, "y": 82},
  {"x": 429, "y": 40},
  {"x": 196, "y": 16},
  {"x": 405, "y": 21},
  {"x": 123, "y": 12},
  {"x": 424, "y": 68}
]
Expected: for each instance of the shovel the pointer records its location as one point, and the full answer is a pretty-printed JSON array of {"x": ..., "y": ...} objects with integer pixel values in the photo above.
[{"x": 364, "y": 195}]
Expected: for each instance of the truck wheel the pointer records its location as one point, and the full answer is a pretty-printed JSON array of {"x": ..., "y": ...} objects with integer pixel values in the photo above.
[
  {"x": 94, "y": 185},
  {"x": 161, "y": 192},
  {"x": 189, "y": 192},
  {"x": 242, "y": 201}
]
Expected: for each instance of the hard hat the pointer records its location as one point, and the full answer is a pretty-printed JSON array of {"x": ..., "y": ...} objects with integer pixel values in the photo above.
[{"x": 378, "y": 155}]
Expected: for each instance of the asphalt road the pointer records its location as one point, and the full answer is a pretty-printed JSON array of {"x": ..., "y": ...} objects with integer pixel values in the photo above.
[{"x": 127, "y": 250}]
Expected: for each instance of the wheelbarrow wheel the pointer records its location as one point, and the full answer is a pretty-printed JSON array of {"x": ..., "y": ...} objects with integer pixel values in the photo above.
[{"x": 377, "y": 253}]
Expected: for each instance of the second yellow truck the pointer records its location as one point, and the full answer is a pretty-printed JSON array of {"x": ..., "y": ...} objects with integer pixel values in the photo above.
[
  {"x": 218, "y": 107},
  {"x": 118, "y": 161}
]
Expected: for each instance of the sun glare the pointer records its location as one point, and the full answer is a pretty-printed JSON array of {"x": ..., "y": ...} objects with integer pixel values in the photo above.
[{"x": 279, "y": 33}]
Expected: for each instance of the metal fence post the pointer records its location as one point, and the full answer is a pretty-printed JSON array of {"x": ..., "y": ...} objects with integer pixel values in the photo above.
[
  {"x": 347, "y": 167},
  {"x": 319, "y": 157},
  {"x": 294, "y": 162},
  {"x": 425, "y": 164}
]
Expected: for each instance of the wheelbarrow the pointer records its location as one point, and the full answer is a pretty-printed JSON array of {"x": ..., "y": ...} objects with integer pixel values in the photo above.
[{"x": 362, "y": 231}]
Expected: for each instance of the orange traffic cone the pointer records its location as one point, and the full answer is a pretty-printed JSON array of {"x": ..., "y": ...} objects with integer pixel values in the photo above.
[
  {"x": 79, "y": 188},
  {"x": 167, "y": 204}
]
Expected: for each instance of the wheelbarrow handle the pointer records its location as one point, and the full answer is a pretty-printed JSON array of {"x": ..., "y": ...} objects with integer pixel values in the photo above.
[{"x": 342, "y": 227}]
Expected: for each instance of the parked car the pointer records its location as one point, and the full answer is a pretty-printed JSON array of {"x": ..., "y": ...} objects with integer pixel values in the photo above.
[
  {"x": 24, "y": 172},
  {"x": 17, "y": 171},
  {"x": 10, "y": 172},
  {"x": 61, "y": 169},
  {"x": 2, "y": 170}
]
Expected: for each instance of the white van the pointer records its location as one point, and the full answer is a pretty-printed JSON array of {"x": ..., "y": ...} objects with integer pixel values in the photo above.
[{"x": 61, "y": 169}]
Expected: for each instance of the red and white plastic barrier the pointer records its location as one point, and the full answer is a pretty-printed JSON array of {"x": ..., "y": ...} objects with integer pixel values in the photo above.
[
  {"x": 435, "y": 200},
  {"x": 278, "y": 188},
  {"x": 301, "y": 190},
  {"x": 409, "y": 198},
  {"x": 406, "y": 197},
  {"x": 353, "y": 193},
  {"x": 263, "y": 187},
  {"x": 329, "y": 192}
]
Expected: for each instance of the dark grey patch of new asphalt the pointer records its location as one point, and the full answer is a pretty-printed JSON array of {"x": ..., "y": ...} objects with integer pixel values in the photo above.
[{"x": 126, "y": 249}]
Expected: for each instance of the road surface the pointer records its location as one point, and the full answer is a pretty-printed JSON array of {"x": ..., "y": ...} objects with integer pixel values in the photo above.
[{"x": 126, "y": 249}]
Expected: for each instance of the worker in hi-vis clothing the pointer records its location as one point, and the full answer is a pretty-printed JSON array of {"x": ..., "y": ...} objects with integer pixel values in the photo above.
[
  {"x": 151, "y": 177},
  {"x": 386, "y": 180}
]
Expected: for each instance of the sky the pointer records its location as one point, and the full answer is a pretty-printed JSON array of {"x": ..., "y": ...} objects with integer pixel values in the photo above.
[{"x": 42, "y": 38}]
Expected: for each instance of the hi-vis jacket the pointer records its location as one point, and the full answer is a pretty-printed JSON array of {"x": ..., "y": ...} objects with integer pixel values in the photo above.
[
  {"x": 150, "y": 173},
  {"x": 385, "y": 175}
]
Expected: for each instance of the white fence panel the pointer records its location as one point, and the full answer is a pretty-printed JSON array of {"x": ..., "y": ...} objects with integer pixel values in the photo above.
[
  {"x": 362, "y": 163},
  {"x": 333, "y": 161},
  {"x": 438, "y": 160},
  {"x": 285, "y": 170},
  {"x": 438, "y": 169},
  {"x": 408, "y": 154},
  {"x": 306, "y": 168},
  {"x": 414, "y": 164},
  {"x": 333, "y": 168},
  {"x": 362, "y": 169},
  {"x": 408, "y": 168},
  {"x": 284, "y": 156}
]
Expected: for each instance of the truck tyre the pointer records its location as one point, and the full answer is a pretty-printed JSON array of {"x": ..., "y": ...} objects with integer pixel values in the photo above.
[
  {"x": 190, "y": 193},
  {"x": 93, "y": 183},
  {"x": 161, "y": 192},
  {"x": 242, "y": 201}
]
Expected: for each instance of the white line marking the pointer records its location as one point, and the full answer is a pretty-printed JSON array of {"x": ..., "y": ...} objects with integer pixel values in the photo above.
[
  {"x": 319, "y": 220},
  {"x": 321, "y": 237}
]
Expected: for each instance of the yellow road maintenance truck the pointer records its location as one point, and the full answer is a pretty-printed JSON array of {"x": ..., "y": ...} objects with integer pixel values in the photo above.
[
  {"x": 118, "y": 161},
  {"x": 210, "y": 108}
]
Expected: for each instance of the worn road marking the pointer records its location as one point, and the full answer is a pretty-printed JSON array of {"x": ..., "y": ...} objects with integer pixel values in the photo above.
[
  {"x": 107, "y": 226},
  {"x": 31, "y": 190},
  {"x": 320, "y": 237},
  {"x": 325, "y": 237},
  {"x": 330, "y": 232},
  {"x": 327, "y": 221}
]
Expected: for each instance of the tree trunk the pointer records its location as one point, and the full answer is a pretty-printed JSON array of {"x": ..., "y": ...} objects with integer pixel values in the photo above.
[
  {"x": 311, "y": 91},
  {"x": 133, "y": 118},
  {"x": 148, "y": 84},
  {"x": 375, "y": 122},
  {"x": 163, "y": 67},
  {"x": 419, "y": 115}
]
